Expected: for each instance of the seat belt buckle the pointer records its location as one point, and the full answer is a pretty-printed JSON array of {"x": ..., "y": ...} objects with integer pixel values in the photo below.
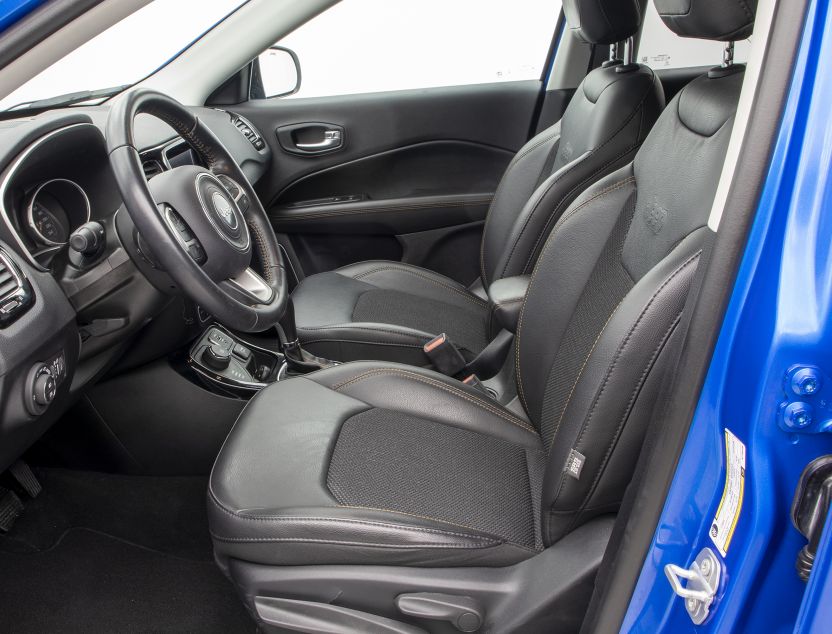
[
  {"x": 444, "y": 356},
  {"x": 474, "y": 381}
]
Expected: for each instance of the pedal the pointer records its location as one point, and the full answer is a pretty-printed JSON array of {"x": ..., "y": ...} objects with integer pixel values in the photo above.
[
  {"x": 10, "y": 509},
  {"x": 26, "y": 478}
]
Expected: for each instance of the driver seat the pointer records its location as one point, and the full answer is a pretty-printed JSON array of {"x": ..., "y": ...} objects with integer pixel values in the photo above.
[
  {"x": 388, "y": 310},
  {"x": 344, "y": 496}
]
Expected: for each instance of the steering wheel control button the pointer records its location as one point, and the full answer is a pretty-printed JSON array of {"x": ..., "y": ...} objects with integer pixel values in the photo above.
[
  {"x": 197, "y": 253},
  {"x": 230, "y": 185}
]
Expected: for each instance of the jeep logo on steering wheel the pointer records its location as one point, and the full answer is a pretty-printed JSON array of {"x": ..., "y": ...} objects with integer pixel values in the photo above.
[{"x": 224, "y": 209}]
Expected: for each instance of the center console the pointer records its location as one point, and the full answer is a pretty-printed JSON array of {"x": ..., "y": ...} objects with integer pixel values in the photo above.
[{"x": 226, "y": 361}]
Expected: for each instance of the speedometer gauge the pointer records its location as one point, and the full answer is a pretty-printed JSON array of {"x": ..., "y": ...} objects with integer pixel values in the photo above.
[{"x": 54, "y": 210}]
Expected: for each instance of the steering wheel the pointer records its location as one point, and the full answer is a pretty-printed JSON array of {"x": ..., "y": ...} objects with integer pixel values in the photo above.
[{"x": 201, "y": 225}]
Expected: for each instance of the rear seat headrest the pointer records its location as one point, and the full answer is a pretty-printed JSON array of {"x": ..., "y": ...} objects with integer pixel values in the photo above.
[
  {"x": 603, "y": 21},
  {"x": 722, "y": 20}
]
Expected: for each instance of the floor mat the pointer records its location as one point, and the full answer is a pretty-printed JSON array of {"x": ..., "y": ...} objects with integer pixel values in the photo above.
[{"x": 97, "y": 552}]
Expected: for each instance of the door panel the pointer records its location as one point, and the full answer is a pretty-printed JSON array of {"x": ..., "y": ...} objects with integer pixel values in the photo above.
[{"x": 411, "y": 178}]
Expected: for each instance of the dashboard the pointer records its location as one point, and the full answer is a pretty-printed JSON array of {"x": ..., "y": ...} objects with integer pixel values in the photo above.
[{"x": 77, "y": 282}]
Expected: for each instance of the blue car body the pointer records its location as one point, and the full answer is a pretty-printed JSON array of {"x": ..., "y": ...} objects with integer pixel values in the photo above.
[
  {"x": 12, "y": 10},
  {"x": 779, "y": 317}
]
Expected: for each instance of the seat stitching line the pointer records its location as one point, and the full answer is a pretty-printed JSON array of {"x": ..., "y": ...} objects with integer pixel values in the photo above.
[
  {"x": 618, "y": 353},
  {"x": 563, "y": 219},
  {"x": 501, "y": 186},
  {"x": 346, "y": 520},
  {"x": 369, "y": 329},
  {"x": 338, "y": 520},
  {"x": 626, "y": 414},
  {"x": 433, "y": 519},
  {"x": 415, "y": 377},
  {"x": 465, "y": 294},
  {"x": 368, "y": 343},
  {"x": 553, "y": 216},
  {"x": 462, "y": 545},
  {"x": 573, "y": 167},
  {"x": 579, "y": 375},
  {"x": 353, "y": 327}
]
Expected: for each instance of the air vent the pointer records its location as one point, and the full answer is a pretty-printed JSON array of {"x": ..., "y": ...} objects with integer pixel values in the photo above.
[
  {"x": 15, "y": 291},
  {"x": 152, "y": 167},
  {"x": 248, "y": 131}
]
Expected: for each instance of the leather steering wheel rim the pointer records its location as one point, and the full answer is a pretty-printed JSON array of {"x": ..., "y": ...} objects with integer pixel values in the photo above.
[{"x": 231, "y": 302}]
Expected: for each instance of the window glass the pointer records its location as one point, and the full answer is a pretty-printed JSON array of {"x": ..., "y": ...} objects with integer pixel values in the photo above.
[
  {"x": 662, "y": 48},
  {"x": 126, "y": 52},
  {"x": 360, "y": 46}
]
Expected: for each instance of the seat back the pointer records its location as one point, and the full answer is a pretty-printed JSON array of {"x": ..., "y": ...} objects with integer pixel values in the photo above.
[
  {"x": 606, "y": 121},
  {"x": 608, "y": 290}
]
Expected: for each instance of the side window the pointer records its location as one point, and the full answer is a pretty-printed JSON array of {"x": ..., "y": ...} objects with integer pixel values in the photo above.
[
  {"x": 662, "y": 48},
  {"x": 361, "y": 46}
]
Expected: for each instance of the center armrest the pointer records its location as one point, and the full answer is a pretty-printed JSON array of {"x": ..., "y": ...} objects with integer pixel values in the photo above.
[{"x": 506, "y": 296}]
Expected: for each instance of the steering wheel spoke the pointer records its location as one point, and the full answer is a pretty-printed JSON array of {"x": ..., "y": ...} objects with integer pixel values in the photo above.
[{"x": 249, "y": 287}]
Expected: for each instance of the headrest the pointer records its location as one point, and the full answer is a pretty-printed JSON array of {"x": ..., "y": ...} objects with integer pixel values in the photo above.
[
  {"x": 602, "y": 21},
  {"x": 723, "y": 20}
]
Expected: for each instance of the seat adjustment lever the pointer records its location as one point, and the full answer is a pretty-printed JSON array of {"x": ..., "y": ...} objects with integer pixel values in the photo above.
[{"x": 464, "y": 613}]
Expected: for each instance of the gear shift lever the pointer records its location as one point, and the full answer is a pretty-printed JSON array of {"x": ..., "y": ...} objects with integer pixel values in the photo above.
[{"x": 298, "y": 361}]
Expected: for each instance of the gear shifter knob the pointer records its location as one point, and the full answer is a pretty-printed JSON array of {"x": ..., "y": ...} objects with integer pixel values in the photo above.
[{"x": 216, "y": 357}]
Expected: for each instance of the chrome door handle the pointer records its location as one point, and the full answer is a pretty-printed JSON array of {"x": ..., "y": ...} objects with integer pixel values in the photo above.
[{"x": 332, "y": 139}]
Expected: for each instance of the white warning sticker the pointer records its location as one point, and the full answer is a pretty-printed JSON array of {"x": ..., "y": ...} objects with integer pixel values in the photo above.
[{"x": 730, "y": 506}]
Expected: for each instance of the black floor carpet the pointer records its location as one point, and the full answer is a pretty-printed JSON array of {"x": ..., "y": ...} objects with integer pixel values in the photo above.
[{"x": 104, "y": 553}]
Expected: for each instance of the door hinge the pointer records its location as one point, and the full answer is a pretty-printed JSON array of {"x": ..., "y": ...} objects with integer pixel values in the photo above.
[{"x": 703, "y": 581}]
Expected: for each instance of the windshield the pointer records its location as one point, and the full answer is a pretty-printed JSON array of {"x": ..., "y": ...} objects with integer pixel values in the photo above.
[{"x": 124, "y": 54}]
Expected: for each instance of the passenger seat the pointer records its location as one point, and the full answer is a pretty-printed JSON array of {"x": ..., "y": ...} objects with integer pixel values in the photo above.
[{"x": 380, "y": 310}]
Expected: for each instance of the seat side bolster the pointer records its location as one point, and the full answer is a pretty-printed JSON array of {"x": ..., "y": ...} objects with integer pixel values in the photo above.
[
  {"x": 293, "y": 440},
  {"x": 348, "y": 535},
  {"x": 600, "y": 135}
]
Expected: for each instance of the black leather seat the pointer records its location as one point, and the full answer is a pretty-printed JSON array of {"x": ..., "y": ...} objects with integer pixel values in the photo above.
[
  {"x": 389, "y": 310},
  {"x": 403, "y": 469}
]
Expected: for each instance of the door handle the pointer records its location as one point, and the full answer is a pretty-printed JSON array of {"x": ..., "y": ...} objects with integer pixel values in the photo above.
[
  {"x": 332, "y": 139},
  {"x": 311, "y": 138}
]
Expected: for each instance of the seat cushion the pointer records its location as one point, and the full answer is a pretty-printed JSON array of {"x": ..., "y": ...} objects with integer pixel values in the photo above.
[
  {"x": 373, "y": 463},
  {"x": 387, "y": 311}
]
